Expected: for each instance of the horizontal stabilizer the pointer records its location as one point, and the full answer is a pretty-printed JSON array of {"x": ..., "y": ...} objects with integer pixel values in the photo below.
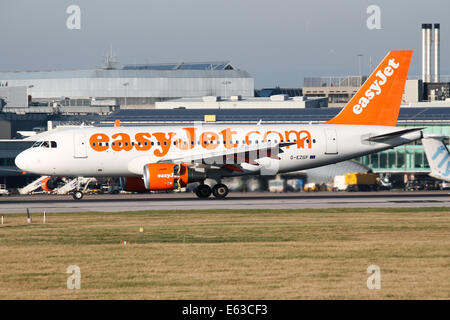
[{"x": 391, "y": 135}]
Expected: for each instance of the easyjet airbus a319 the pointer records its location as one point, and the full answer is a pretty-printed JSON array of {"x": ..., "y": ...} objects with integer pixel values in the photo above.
[{"x": 170, "y": 157}]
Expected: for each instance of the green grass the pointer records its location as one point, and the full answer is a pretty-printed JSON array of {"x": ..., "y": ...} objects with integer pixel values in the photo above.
[{"x": 228, "y": 254}]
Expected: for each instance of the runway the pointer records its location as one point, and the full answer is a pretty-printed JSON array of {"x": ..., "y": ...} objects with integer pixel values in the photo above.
[{"x": 257, "y": 200}]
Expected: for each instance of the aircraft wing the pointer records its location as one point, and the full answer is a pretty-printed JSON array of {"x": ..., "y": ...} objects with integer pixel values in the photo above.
[{"x": 232, "y": 158}]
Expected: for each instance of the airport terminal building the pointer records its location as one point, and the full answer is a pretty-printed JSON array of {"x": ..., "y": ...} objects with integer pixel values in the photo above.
[{"x": 133, "y": 85}]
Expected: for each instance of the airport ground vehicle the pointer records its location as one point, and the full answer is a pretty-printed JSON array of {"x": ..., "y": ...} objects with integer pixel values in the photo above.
[
  {"x": 414, "y": 185},
  {"x": 3, "y": 190},
  {"x": 444, "y": 185},
  {"x": 361, "y": 181},
  {"x": 169, "y": 157},
  {"x": 277, "y": 185}
]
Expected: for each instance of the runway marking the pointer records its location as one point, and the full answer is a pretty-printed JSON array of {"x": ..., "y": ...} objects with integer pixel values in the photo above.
[
  {"x": 413, "y": 201},
  {"x": 105, "y": 203}
]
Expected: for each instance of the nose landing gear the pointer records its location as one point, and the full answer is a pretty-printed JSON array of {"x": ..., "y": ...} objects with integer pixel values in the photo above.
[{"x": 77, "y": 195}]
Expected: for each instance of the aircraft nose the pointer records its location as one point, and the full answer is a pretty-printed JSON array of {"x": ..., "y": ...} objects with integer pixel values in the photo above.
[{"x": 21, "y": 161}]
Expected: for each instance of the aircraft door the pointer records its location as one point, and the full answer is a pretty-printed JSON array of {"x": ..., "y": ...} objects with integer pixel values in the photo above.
[
  {"x": 79, "y": 145},
  {"x": 331, "y": 141}
]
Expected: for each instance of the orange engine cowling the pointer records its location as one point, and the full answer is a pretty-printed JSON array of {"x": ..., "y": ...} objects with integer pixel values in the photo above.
[
  {"x": 48, "y": 184},
  {"x": 134, "y": 184},
  {"x": 168, "y": 176}
]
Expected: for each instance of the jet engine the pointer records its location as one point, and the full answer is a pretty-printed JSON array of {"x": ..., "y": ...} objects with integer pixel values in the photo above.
[
  {"x": 49, "y": 183},
  {"x": 168, "y": 176}
]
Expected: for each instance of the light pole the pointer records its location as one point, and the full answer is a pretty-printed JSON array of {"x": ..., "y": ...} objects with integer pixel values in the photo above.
[
  {"x": 126, "y": 84},
  {"x": 31, "y": 95},
  {"x": 359, "y": 63},
  {"x": 359, "y": 68}
]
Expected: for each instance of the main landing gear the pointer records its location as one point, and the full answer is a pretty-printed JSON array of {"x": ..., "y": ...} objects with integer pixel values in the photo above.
[{"x": 219, "y": 191}]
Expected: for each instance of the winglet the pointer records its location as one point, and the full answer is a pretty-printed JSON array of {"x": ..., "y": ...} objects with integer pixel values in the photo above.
[{"x": 378, "y": 100}]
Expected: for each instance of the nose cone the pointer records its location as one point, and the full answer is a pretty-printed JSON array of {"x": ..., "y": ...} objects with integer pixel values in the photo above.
[{"x": 21, "y": 161}]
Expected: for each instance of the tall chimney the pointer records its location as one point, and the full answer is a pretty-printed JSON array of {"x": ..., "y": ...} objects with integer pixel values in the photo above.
[
  {"x": 424, "y": 51},
  {"x": 436, "y": 52},
  {"x": 428, "y": 53}
]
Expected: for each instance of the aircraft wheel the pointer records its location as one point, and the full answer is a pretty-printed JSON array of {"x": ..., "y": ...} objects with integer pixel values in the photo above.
[
  {"x": 77, "y": 195},
  {"x": 220, "y": 191},
  {"x": 203, "y": 191}
]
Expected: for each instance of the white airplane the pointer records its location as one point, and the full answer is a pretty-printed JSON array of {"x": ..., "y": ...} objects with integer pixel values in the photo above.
[
  {"x": 170, "y": 157},
  {"x": 438, "y": 157}
]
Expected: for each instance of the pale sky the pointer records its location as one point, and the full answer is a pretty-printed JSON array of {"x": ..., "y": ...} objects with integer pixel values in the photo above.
[{"x": 277, "y": 42}]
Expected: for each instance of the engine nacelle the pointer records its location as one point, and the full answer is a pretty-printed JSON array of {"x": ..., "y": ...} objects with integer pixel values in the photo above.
[
  {"x": 168, "y": 176},
  {"x": 134, "y": 184},
  {"x": 49, "y": 183}
]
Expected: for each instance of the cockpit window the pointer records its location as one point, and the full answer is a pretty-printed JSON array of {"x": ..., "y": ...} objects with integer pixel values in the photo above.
[{"x": 44, "y": 144}]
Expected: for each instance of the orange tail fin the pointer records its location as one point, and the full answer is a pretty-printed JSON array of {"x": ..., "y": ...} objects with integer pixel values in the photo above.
[{"x": 377, "y": 102}]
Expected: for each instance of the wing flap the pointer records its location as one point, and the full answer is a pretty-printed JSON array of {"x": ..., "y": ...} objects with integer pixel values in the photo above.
[{"x": 243, "y": 154}]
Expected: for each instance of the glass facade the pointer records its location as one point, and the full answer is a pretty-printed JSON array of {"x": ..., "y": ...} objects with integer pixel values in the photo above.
[{"x": 407, "y": 158}]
